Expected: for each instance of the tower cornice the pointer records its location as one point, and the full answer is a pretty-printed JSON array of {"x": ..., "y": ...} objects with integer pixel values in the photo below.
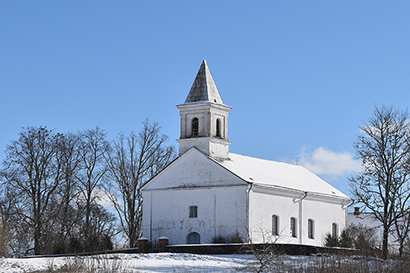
[{"x": 204, "y": 104}]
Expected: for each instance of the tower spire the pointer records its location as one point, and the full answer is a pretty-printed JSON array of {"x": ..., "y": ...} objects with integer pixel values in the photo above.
[
  {"x": 204, "y": 118},
  {"x": 204, "y": 87}
]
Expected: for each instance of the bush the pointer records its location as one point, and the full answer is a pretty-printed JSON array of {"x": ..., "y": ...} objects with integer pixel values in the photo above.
[
  {"x": 236, "y": 238},
  {"x": 331, "y": 241},
  {"x": 106, "y": 243},
  {"x": 75, "y": 246},
  {"x": 218, "y": 240},
  {"x": 355, "y": 236},
  {"x": 346, "y": 238}
]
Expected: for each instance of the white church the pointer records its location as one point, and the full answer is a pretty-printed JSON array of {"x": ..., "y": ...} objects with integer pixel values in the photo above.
[{"x": 209, "y": 192}]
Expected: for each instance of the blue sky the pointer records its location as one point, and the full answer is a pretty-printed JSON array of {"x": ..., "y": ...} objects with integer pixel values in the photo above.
[{"x": 301, "y": 76}]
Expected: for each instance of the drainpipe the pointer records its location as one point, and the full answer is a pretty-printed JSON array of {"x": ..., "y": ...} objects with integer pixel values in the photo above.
[
  {"x": 346, "y": 207},
  {"x": 150, "y": 219},
  {"x": 247, "y": 210},
  {"x": 301, "y": 217}
]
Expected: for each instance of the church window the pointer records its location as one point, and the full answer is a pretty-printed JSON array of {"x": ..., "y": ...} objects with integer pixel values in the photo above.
[
  {"x": 218, "y": 127},
  {"x": 311, "y": 229},
  {"x": 194, "y": 238},
  {"x": 275, "y": 225},
  {"x": 293, "y": 227},
  {"x": 334, "y": 231},
  {"x": 193, "y": 211},
  {"x": 195, "y": 126}
]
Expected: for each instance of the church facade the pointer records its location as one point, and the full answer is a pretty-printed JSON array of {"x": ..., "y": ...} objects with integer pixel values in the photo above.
[{"x": 208, "y": 192}]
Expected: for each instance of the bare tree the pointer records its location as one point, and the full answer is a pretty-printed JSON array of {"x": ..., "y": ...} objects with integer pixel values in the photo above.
[
  {"x": 6, "y": 212},
  {"x": 68, "y": 213},
  {"x": 383, "y": 147},
  {"x": 33, "y": 169},
  {"x": 134, "y": 160},
  {"x": 401, "y": 226},
  {"x": 92, "y": 150}
]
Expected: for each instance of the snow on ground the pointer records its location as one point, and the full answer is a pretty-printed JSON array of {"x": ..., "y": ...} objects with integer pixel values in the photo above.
[
  {"x": 154, "y": 262},
  {"x": 173, "y": 262}
]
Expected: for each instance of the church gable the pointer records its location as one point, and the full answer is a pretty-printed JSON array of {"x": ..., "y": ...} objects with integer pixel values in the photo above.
[{"x": 192, "y": 170}]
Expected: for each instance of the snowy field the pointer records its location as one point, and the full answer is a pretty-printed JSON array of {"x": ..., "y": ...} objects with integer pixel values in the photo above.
[
  {"x": 158, "y": 262},
  {"x": 175, "y": 262}
]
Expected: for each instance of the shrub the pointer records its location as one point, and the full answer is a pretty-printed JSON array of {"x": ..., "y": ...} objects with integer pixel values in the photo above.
[
  {"x": 346, "y": 238},
  {"x": 218, "y": 240},
  {"x": 355, "y": 236},
  {"x": 236, "y": 238},
  {"x": 75, "y": 246},
  {"x": 331, "y": 241}
]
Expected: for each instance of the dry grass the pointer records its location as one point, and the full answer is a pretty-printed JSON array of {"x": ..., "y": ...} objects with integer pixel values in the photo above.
[
  {"x": 92, "y": 264},
  {"x": 355, "y": 264},
  {"x": 323, "y": 263}
]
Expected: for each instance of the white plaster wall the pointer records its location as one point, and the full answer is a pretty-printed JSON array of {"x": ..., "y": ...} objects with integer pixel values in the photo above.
[
  {"x": 215, "y": 147},
  {"x": 202, "y": 143},
  {"x": 193, "y": 169},
  {"x": 219, "y": 148},
  {"x": 223, "y": 117},
  {"x": 265, "y": 203},
  {"x": 323, "y": 213},
  {"x": 262, "y": 205},
  {"x": 194, "y": 180},
  {"x": 202, "y": 121},
  {"x": 221, "y": 211},
  {"x": 207, "y": 113}
]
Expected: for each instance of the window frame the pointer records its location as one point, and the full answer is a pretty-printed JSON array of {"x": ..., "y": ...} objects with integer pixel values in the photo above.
[
  {"x": 311, "y": 229},
  {"x": 218, "y": 128},
  {"x": 195, "y": 127},
  {"x": 334, "y": 230},
  {"x": 275, "y": 225},
  {"x": 293, "y": 227},
  {"x": 193, "y": 211}
]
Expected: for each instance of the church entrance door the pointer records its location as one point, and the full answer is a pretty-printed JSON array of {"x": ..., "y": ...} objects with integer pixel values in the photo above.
[{"x": 194, "y": 238}]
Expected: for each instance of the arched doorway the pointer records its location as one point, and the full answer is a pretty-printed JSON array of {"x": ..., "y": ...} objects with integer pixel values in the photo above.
[{"x": 194, "y": 238}]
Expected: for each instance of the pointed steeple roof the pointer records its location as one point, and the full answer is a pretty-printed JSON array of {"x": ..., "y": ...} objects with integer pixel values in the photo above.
[{"x": 204, "y": 87}]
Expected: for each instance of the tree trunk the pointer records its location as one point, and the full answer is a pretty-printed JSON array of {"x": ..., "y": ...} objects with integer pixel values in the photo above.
[{"x": 385, "y": 250}]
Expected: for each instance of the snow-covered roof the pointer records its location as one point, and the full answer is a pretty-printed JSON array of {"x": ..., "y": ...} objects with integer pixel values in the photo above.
[{"x": 278, "y": 174}]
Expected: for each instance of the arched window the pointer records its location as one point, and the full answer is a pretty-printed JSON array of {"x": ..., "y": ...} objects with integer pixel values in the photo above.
[
  {"x": 195, "y": 125},
  {"x": 218, "y": 127},
  {"x": 334, "y": 231},
  {"x": 275, "y": 225},
  {"x": 293, "y": 227},
  {"x": 194, "y": 238},
  {"x": 311, "y": 229}
]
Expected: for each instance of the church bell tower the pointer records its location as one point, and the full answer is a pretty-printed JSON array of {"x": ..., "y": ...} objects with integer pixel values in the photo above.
[{"x": 204, "y": 118}]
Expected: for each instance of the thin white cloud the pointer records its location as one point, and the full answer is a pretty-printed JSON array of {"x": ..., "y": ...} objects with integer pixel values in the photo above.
[
  {"x": 101, "y": 198},
  {"x": 326, "y": 162}
]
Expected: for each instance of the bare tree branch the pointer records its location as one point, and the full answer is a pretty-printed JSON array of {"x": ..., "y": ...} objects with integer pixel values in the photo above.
[
  {"x": 134, "y": 160},
  {"x": 383, "y": 147}
]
